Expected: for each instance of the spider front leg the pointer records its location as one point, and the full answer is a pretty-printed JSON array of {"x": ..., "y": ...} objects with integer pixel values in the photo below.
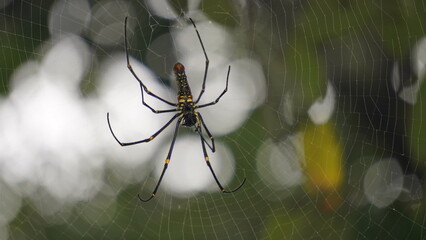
[
  {"x": 206, "y": 158},
  {"x": 142, "y": 86},
  {"x": 166, "y": 164},
  {"x": 212, "y": 146},
  {"x": 144, "y": 140}
]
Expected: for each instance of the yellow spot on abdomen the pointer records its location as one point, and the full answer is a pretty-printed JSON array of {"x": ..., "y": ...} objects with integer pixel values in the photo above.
[
  {"x": 167, "y": 161},
  {"x": 183, "y": 99}
]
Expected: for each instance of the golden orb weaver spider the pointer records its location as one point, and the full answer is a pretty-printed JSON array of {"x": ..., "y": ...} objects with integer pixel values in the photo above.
[{"x": 186, "y": 115}]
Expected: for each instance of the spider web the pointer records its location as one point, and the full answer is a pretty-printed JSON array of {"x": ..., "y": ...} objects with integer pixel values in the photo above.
[{"x": 323, "y": 117}]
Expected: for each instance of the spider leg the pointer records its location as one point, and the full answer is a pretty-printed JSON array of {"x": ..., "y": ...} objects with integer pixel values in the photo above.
[
  {"x": 207, "y": 62},
  {"x": 212, "y": 146},
  {"x": 144, "y": 140},
  {"x": 166, "y": 164},
  {"x": 206, "y": 158},
  {"x": 142, "y": 86},
  {"x": 223, "y": 93}
]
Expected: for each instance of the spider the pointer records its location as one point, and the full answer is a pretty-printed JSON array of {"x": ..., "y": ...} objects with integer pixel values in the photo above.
[{"x": 187, "y": 114}]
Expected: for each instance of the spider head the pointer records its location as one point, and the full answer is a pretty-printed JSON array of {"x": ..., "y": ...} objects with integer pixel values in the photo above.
[{"x": 189, "y": 119}]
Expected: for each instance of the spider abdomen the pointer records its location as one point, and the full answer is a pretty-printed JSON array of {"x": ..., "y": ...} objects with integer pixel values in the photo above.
[{"x": 184, "y": 91}]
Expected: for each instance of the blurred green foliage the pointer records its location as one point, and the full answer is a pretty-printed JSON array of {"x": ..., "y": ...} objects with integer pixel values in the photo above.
[{"x": 302, "y": 45}]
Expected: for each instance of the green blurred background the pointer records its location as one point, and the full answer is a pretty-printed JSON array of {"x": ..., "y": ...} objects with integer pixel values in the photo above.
[{"x": 371, "y": 52}]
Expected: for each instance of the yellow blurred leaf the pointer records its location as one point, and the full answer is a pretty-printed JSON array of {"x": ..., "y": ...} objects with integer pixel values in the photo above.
[{"x": 323, "y": 158}]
